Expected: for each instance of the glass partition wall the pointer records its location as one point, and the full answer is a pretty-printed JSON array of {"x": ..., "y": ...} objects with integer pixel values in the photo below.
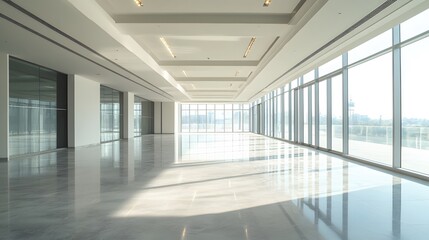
[
  {"x": 369, "y": 103},
  {"x": 110, "y": 114},
  {"x": 143, "y": 116},
  {"x": 37, "y": 108}
]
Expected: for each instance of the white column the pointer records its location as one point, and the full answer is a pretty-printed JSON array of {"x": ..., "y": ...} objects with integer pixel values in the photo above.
[
  {"x": 168, "y": 117},
  {"x": 4, "y": 106},
  {"x": 157, "y": 118},
  {"x": 128, "y": 120},
  {"x": 83, "y": 111}
]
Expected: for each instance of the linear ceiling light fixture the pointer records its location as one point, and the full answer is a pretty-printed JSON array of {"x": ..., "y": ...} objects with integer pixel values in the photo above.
[
  {"x": 184, "y": 73},
  {"x": 267, "y": 3},
  {"x": 249, "y": 47},
  {"x": 139, "y": 3},
  {"x": 167, "y": 47}
]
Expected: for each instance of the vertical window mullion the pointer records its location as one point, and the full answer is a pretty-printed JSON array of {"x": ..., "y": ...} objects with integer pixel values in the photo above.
[
  {"x": 329, "y": 113},
  {"x": 301, "y": 111},
  {"x": 310, "y": 113},
  {"x": 316, "y": 110},
  {"x": 345, "y": 104},
  {"x": 397, "y": 111}
]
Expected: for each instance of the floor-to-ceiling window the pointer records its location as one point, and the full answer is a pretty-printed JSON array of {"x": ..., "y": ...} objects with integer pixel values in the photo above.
[
  {"x": 415, "y": 98},
  {"x": 323, "y": 114},
  {"x": 214, "y": 117},
  {"x": 370, "y": 101},
  {"x": 337, "y": 113},
  {"x": 37, "y": 108},
  {"x": 378, "y": 89},
  {"x": 110, "y": 114},
  {"x": 137, "y": 116}
]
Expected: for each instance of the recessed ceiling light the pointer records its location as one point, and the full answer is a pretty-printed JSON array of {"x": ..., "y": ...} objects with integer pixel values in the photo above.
[
  {"x": 267, "y": 3},
  {"x": 167, "y": 46},
  {"x": 249, "y": 47},
  {"x": 139, "y": 2},
  {"x": 184, "y": 73}
]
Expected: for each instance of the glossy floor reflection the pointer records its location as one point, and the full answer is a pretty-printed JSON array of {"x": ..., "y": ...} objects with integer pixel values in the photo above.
[{"x": 205, "y": 186}]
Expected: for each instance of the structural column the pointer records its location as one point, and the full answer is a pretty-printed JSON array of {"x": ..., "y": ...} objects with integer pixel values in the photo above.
[
  {"x": 165, "y": 117},
  {"x": 4, "y": 106},
  {"x": 128, "y": 121},
  {"x": 83, "y": 111}
]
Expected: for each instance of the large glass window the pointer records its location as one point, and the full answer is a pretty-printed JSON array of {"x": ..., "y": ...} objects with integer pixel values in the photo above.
[
  {"x": 278, "y": 116},
  {"x": 286, "y": 115},
  {"x": 370, "y": 110},
  {"x": 414, "y": 26},
  {"x": 337, "y": 113},
  {"x": 331, "y": 66},
  {"x": 214, "y": 117},
  {"x": 306, "y": 114},
  {"x": 137, "y": 116},
  {"x": 415, "y": 98},
  {"x": 323, "y": 114},
  {"x": 37, "y": 108},
  {"x": 110, "y": 114},
  {"x": 370, "y": 47},
  {"x": 370, "y": 80}
]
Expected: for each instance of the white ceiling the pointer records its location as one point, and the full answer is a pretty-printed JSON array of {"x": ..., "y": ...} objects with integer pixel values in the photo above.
[{"x": 118, "y": 44}]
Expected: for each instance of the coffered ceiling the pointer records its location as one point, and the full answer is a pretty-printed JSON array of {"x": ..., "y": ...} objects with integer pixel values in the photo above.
[{"x": 211, "y": 48}]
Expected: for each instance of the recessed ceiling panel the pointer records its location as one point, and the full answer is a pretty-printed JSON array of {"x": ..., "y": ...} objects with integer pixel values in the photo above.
[
  {"x": 204, "y": 48},
  {"x": 197, "y": 6}
]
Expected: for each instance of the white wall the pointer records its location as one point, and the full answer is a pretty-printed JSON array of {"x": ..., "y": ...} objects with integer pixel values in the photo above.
[
  {"x": 83, "y": 111},
  {"x": 168, "y": 116},
  {"x": 128, "y": 115},
  {"x": 157, "y": 128},
  {"x": 4, "y": 106},
  {"x": 165, "y": 117}
]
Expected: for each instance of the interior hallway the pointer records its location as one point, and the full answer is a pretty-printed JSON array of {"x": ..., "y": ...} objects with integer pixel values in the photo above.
[{"x": 205, "y": 186}]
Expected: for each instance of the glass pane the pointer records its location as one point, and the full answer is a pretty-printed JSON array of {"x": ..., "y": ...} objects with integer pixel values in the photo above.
[
  {"x": 370, "y": 110},
  {"x": 246, "y": 120},
  {"x": 278, "y": 114},
  {"x": 33, "y": 108},
  {"x": 331, "y": 66},
  {"x": 220, "y": 121},
  {"x": 211, "y": 120},
  {"x": 414, "y": 26},
  {"x": 110, "y": 114},
  {"x": 202, "y": 119},
  {"x": 305, "y": 120},
  {"x": 415, "y": 119},
  {"x": 370, "y": 47},
  {"x": 228, "y": 120},
  {"x": 286, "y": 115},
  {"x": 193, "y": 120},
  {"x": 238, "y": 121},
  {"x": 337, "y": 113},
  {"x": 309, "y": 76},
  {"x": 185, "y": 120},
  {"x": 323, "y": 114}
]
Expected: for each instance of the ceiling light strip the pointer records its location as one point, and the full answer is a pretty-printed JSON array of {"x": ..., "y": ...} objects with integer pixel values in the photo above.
[
  {"x": 267, "y": 3},
  {"x": 249, "y": 47},
  {"x": 167, "y": 46},
  {"x": 139, "y": 3}
]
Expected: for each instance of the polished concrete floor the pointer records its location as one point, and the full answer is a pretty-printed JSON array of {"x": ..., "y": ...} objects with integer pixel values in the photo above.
[{"x": 205, "y": 186}]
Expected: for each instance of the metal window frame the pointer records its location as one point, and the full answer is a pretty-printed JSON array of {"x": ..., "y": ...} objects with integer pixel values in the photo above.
[{"x": 397, "y": 99}]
